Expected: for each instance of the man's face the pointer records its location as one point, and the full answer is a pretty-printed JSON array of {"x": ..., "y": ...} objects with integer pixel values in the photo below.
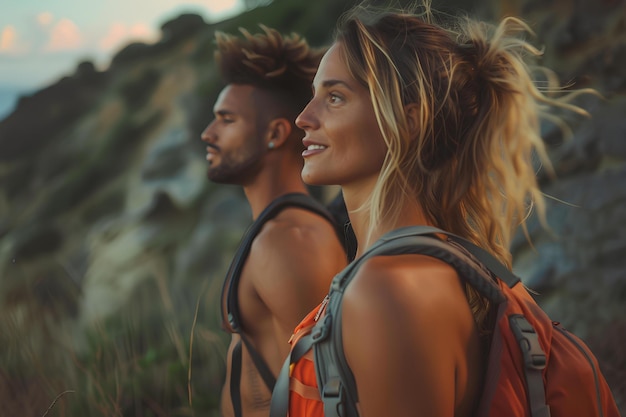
[{"x": 234, "y": 137}]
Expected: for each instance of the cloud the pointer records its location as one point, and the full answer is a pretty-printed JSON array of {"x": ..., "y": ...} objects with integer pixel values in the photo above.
[
  {"x": 220, "y": 6},
  {"x": 8, "y": 39},
  {"x": 44, "y": 19},
  {"x": 120, "y": 33},
  {"x": 217, "y": 7},
  {"x": 10, "y": 42},
  {"x": 64, "y": 35}
]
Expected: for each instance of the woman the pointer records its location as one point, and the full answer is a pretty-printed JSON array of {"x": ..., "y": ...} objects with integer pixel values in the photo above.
[{"x": 421, "y": 125}]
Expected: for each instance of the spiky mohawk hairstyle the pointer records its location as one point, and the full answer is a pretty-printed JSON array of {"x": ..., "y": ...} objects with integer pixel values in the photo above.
[{"x": 284, "y": 65}]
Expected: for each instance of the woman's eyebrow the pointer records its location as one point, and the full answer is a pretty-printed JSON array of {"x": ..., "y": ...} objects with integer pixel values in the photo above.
[{"x": 332, "y": 83}]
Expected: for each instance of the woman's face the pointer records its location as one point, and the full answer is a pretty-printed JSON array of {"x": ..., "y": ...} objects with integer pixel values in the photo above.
[{"x": 344, "y": 143}]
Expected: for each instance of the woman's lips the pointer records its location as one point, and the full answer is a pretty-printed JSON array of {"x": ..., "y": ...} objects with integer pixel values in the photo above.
[{"x": 313, "y": 148}]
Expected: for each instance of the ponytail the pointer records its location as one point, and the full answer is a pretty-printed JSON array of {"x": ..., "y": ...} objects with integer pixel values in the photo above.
[{"x": 513, "y": 96}]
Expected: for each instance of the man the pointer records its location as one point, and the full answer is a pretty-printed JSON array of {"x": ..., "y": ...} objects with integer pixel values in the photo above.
[{"x": 291, "y": 252}]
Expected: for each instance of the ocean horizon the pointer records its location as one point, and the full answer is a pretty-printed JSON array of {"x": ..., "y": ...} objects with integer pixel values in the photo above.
[{"x": 9, "y": 96}]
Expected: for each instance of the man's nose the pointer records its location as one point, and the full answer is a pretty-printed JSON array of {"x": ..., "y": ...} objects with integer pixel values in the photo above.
[{"x": 208, "y": 134}]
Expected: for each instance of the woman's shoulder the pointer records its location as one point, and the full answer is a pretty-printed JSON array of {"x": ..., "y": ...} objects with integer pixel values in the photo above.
[
  {"x": 384, "y": 270},
  {"x": 417, "y": 280}
]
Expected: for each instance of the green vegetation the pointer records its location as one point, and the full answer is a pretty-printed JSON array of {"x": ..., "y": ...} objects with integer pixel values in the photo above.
[{"x": 135, "y": 363}]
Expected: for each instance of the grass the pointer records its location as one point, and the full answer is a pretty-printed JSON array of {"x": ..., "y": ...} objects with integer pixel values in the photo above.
[{"x": 158, "y": 356}]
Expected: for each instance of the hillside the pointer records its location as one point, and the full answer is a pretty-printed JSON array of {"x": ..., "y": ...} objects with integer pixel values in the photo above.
[{"x": 113, "y": 244}]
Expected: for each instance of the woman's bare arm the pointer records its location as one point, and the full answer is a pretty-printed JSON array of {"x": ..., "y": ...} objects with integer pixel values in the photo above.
[{"x": 410, "y": 339}]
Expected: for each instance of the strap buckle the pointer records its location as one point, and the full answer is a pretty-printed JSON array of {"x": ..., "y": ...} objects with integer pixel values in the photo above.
[
  {"x": 332, "y": 396},
  {"x": 528, "y": 340}
]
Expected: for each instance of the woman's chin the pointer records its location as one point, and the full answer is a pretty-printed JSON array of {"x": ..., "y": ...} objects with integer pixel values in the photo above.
[{"x": 311, "y": 177}]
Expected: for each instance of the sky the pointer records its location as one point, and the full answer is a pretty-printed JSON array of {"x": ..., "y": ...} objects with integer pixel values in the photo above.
[{"x": 43, "y": 40}]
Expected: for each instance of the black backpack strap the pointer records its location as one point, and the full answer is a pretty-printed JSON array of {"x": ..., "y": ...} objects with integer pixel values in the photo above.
[
  {"x": 235, "y": 380},
  {"x": 230, "y": 303},
  {"x": 236, "y": 368},
  {"x": 339, "y": 211},
  {"x": 259, "y": 363}
]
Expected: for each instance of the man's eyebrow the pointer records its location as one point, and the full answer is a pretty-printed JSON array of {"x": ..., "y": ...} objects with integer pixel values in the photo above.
[{"x": 224, "y": 112}]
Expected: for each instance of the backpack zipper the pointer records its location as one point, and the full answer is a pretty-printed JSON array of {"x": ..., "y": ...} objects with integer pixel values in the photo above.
[{"x": 321, "y": 308}]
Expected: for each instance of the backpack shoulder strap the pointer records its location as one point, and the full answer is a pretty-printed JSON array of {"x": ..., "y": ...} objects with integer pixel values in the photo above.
[
  {"x": 229, "y": 301},
  {"x": 484, "y": 257},
  {"x": 336, "y": 382},
  {"x": 422, "y": 240},
  {"x": 230, "y": 305}
]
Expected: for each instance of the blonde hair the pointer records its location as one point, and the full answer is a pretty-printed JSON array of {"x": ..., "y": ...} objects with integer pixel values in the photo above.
[{"x": 481, "y": 100}]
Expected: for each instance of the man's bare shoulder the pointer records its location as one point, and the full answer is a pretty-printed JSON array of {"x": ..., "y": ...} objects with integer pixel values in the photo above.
[
  {"x": 296, "y": 230},
  {"x": 292, "y": 262}
]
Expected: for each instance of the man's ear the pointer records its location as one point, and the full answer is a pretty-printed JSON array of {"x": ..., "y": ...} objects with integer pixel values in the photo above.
[
  {"x": 278, "y": 130},
  {"x": 412, "y": 113}
]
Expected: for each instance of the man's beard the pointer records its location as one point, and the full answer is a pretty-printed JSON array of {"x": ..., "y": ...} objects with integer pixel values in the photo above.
[{"x": 231, "y": 171}]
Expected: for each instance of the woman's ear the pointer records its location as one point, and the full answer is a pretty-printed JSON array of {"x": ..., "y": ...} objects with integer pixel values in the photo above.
[
  {"x": 278, "y": 130},
  {"x": 412, "y": 113}
]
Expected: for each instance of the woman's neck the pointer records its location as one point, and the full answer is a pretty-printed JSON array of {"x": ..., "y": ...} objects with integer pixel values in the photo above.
[{"x": 410, "y": 214}]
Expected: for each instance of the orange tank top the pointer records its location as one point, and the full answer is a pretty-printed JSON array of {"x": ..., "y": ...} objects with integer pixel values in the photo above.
[{"x": 304, "y": 398}]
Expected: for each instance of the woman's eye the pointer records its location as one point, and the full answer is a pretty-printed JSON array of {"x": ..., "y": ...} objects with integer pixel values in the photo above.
[{"x": 334, "y": 98}]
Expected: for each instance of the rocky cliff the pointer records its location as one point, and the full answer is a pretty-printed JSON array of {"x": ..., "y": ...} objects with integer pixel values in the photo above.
[{"x": 113, "y": 244}]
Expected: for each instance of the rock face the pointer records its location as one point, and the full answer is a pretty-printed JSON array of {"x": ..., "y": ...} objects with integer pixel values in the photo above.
[
  {"x": 104, "y": 205},
  {"x": 578, "y": 267}
]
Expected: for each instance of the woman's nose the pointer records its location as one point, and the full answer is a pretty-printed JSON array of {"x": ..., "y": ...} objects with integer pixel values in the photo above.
[{"x": 307, "y": 120}]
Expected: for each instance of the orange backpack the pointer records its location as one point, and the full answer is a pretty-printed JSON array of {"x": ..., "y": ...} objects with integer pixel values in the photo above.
[{"x": 535, "y": 367}]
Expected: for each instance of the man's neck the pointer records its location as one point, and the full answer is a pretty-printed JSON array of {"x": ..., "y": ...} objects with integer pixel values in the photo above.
[{"x": 266, "y": 188}]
